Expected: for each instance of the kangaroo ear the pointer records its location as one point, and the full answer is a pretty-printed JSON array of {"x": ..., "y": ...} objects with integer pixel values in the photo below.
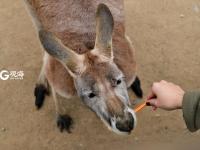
[
  {"x": 55, "y": 48},
  {"x": 104, "y": 29}
]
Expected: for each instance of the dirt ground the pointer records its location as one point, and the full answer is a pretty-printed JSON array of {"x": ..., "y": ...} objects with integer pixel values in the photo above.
[{"x": 166, "y": 37}]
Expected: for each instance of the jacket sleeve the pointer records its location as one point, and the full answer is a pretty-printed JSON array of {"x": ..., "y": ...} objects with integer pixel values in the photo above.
[{"x": 191, "y": 110}]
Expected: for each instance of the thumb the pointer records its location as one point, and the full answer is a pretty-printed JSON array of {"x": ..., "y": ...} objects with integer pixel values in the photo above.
[{"x": 153, "y": 102}]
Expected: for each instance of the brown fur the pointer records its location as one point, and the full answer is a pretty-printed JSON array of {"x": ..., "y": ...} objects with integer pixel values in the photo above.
[{"x": 76, "y": 29}]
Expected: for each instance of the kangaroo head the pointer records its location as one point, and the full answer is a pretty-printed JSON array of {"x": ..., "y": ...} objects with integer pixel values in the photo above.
[{"x": 99, "y": 82}]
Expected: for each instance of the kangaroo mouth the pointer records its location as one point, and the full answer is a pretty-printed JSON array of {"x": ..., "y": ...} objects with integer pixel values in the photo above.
[{"x": 122, "y": 126}]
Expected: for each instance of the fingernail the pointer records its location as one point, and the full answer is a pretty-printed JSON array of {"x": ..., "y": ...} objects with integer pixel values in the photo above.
[{"x": 148, "y": 104}]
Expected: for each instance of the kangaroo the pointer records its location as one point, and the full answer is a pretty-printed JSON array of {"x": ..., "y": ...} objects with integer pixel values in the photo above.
[{"x": 86, "y": 53}]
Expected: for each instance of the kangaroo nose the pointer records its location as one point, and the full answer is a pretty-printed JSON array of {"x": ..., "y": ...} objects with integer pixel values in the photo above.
[{"x": 126, "y": 123}]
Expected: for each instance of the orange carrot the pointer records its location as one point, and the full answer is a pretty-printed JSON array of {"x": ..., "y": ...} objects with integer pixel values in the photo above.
[{"x": 140, "y": 107}]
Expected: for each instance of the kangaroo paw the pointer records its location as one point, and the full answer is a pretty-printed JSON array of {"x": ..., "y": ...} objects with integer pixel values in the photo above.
[
  {"x": 40, "y": 92},
  {"x": 64, "y": 122}
]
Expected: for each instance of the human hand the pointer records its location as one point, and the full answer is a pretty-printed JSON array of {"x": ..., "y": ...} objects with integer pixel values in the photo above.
[{"x": 165, "y": 95}]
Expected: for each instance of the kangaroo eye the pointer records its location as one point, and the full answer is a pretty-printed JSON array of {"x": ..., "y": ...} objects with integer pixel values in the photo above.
[
  {"x": 119, "y": 82},
  {"x": 91, "y": 95}
]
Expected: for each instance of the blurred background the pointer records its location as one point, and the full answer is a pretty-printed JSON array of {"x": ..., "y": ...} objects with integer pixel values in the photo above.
[{"x": 166, "y": 36}]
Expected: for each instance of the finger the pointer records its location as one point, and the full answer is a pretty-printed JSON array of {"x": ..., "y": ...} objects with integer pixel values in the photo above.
[
  {"x": 154, "y": 108},
  {"x": 151, "y": 95},
  {"x": 149, "y": 104},
  {"x": 156, "y": 87},
  {"x": 153, "y": 102}
]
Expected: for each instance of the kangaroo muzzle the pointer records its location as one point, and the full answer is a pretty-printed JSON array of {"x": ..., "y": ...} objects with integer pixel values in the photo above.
[{"x": 124, "y": 124}]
